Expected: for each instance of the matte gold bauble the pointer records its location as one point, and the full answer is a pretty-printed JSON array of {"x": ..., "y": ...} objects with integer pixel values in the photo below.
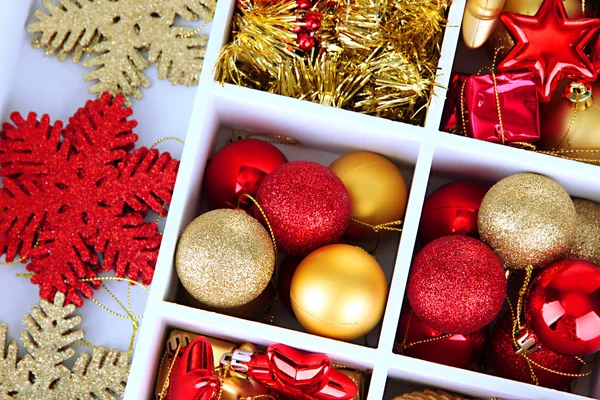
[
  {"x": 587, "y": 232},
  {"x": 527, "y": 219},
  {"x": 225, "y": 258},
  {"x": 501, "y": 37},
  {"x": 556, "y": 115},
  {"x": 339, "y": 291},
  {"x": 377, "y": 191}
]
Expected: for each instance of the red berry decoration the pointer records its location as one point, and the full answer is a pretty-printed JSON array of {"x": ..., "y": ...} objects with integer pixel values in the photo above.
[
  {"x": 312, "y": 20},
  {"x": 307, "y": 206},
  {"x": 458, "y": 351},
  {"x": 65, "y": 201},
  {"x": 563, "y": 307},
  {"x": 452, "y": 210},
  {"x": 456, "y": 285},
  {"x": 238, "y": 169},
  {"x": 303, "y": 4},
  {"x": 284, "y": 279},
  {"x": 305, "y": 41},
  {"x": 508, "y": 364}
]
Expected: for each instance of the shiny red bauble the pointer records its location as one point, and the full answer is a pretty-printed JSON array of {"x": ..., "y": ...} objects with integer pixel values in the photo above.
[
  {"x": 456, "y": 284},
  {"x": 238, "y": 169},
  {"x": 509, "y": 364},
  {"x": 284, "y": 279},
  {"x": 563, "y": 307},
  {"x": 458, "y": 351},
  {"x": 307, "y": 206},
  {"x": 452, "y": 210}
]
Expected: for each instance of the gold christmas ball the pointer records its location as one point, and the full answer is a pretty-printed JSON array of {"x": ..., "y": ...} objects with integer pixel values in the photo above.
[
  {"x": 377, "y": 190},
  {"x": 501, "y": 37},
  {"x": 339, "y": 291},
  {"x": 225, "y": 258},
  {"x": 587, "y": 231},
  {"x": 234, "y": 388},
  {"x": 528, "y": 219},
  {"x": 429, "y": 395}
]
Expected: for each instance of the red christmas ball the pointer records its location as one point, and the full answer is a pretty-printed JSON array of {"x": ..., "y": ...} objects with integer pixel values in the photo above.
[
  {"x": 456, "y": 284},
  {"x": 284, "y": 279},
  {"x": 305, "y": 41},
  {"x": 563, "y": 307},
  {"x": 509, "y": 364},
  {"x": 312, "y": 20},
  {"x": 456, "y": 351},
  {"x": 238, "y": 169},
  {"x": 307, "y": 206},
  {"x": 304, "y": 4},
  {"x": 452, "y": 210}
]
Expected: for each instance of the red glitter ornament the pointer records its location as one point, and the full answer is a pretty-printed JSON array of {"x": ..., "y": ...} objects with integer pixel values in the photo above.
[
  {"x": 85, "y": 195},
  {"x": 456, "y": 284},
  {"x": 563, "y": 307},
  {"x": 452, "y": 210},
  {"x": 509, "y": 364},
  {"x": 284, "y": 279},
  {"x": 238, "y": 169},
  {"x": 551, "y": 45},
  {"x": 307, "y": 206},
  {"x": 458, "y": 351}
]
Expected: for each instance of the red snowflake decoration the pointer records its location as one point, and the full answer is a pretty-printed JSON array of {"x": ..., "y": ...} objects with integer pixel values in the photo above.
[{"x": 65, "y": 202}]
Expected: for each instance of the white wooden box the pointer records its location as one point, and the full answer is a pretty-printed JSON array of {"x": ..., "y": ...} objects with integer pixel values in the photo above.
[{"x": 428, "y": 158}]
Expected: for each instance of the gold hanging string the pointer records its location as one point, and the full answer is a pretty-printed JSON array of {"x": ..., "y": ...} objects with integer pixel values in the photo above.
[
  {"x": 272, "y": 138},
  {"x": 159, "y": 141},
  {"x": 163, "y": 393},
  {"x": 386, "y": 226},
  {"x": 400, "y": 348},
  {"x": 264, "y": 215}
]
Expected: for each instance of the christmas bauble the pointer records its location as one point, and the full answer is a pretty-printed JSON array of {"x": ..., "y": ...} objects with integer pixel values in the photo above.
[
  {"x": 509, "y": 364},
  {"x": 500, "y": 36},
  {"x": 339, "y": 291},
  {"x": 235, "y": 387},
  {"x": 458, "y": 351},
  {"x": 452, "y": 210},
  {"x": 377, "y": 191},
  {"x": 557, "y": 115},
  {"x": 587, "y": 231},
  {"x": 284, "y": 279},
  {"x": 238, "y": 169},
  {"x": 456, "y": 285},
  {"x": 307, "y": 206},
  {"x": 429, "y": 394},
  {"x": 225, "y": 258},
  {"x": 563, "y": 307},
  {"x": 528, "y": 219}
]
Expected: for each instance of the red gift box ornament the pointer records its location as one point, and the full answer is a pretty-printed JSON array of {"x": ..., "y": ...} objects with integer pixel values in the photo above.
[
  {"x": 501, "y": 108},
  {"x": 451, "y": 117}
]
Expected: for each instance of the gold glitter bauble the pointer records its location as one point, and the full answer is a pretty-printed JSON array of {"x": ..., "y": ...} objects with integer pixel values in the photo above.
[
  {"x": 587, "y": 231},
  {"x": 225, "y": 258},
  {"x": 339, "y": 291},
  {"x": 377, "y": 191},
  {"x": 528, "y": 219},
  {"x": 429, "y": 395}
]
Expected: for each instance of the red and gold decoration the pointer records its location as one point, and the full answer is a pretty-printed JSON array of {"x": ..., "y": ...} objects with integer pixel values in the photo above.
[
  {"x": 563, "y": 307},
  {"x": 77, "y": 194},
  {"x": 339, "y": 291},
  {"x": 238, "y": 169},
  {"x": 416, "y": 339},
  {"x": 587, "y": 231},
  {"x": 378, "y": 193},
  {"x": 456, "y": 285},
  {"x": 452, "y": 210},
  {"x": 527, "y": 219},
  {"x": 225, "y": 258},
  {"x": 306, "y": 205},
  {"x": 452, "y": 115}
]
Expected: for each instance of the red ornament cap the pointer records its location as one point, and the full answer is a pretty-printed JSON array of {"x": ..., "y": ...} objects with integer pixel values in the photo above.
[
  {"x": 563, "y": 307},
  {"x": 551, "y": 45}
]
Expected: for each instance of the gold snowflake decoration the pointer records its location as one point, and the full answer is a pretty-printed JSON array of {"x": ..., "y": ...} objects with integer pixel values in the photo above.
[
  {"x": 117, "y": 31},
  {"x": 41, "y": 374}
]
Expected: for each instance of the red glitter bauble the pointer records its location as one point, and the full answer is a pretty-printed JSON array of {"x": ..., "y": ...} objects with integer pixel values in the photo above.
[
  {"x": 456, "y": 351},
  {"x": 452, "y": 210},
  {"x": 238, "y": 169},
  {"x": 456, "y": 284},
  {"x": 508, "y": 364},
  {"x": 284, "y": 279},
  {"x": 307, "y": 206},
  {"x": 563, "y": 307}
]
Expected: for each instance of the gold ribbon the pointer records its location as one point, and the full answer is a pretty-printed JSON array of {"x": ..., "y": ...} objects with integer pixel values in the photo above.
[{"x": 386, "y": 226}]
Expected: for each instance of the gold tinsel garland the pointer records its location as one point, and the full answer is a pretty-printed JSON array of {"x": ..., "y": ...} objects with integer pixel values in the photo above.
[{"x": 373, "y": 56}]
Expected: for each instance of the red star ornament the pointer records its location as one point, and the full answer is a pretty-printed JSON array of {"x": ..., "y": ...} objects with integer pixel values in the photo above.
[{"x": 551, "y": 45}]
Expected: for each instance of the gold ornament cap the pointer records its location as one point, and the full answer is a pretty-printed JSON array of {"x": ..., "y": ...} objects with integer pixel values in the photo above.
[{"x": 580, "y": 94}]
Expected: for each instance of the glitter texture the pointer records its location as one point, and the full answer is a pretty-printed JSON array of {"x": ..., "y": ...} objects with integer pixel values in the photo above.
[
  {"x": 307, "y": 206},
  {"x": 42, "y": 374},
  {"x": 429, "y": 395},
  {"x": 527, "y": 219},
  {"x": 225, "y": 258},
  {"x": 456, "y": 285},
  {"x": 587, "y": 231},
  {"x": 514, "y": 366}
]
